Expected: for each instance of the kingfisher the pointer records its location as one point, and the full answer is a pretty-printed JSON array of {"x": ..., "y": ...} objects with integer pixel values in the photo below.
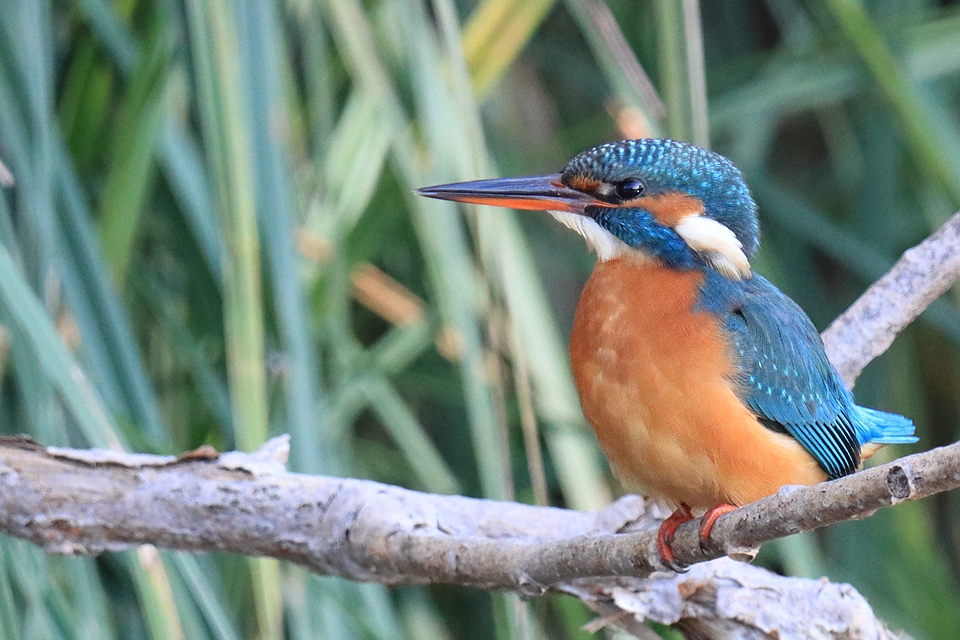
[{"x": 708, "y": 388}]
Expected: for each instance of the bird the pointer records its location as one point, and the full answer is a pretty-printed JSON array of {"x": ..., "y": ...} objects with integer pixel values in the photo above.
[{"x": 708, "y": 388}]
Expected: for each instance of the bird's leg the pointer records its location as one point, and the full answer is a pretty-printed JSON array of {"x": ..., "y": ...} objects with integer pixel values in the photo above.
[
  {"x": 665, "y": 534},
  {"x": 710, "y": 518}
]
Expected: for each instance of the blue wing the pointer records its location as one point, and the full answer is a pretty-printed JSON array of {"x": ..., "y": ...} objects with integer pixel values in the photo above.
[{"x": 786, "y": 379}]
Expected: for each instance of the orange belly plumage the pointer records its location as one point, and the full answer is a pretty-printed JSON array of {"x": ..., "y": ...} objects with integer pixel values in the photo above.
[{"x": 656, "y": 382}]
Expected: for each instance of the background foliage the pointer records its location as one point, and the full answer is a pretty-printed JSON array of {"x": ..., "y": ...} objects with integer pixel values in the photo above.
[{"x": 212, "y": 238}]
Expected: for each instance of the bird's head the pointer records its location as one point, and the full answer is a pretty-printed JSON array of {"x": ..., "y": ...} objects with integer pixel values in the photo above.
[{"x": 668, "y": 200}]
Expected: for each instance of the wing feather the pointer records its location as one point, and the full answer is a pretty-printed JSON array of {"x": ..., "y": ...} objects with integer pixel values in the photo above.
[{"x": 786, "y": 379}]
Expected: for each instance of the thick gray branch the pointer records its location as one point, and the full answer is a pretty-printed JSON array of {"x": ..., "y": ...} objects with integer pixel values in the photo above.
[
  {"x": 70, "y": 501},
  {"x": 369, "y": 531}
]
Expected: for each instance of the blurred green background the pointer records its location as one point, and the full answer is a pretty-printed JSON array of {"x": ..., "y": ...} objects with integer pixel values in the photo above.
[{"x": 212, "y": 239}]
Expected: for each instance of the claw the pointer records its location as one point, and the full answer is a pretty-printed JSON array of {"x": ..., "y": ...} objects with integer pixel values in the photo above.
[
  {"x": 665, "y": 536},
  {"x": 709, "y": 519}
]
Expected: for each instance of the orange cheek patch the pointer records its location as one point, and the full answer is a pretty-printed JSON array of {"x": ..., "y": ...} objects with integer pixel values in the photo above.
[
  {"x": 585, "y": 184},
  {"x": 668, "y": 208}
]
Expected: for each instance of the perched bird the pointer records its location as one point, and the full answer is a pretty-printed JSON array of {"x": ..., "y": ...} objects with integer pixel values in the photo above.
[{"x": 708, "y": 387}]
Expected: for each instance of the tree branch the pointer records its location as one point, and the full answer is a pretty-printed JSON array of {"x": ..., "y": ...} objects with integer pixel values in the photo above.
[
  {"x": 868, "y": 327},
  {"x": 69, "y": 501},
  {"x": 66, "y": 501},
  {"x": 727, "y": 599}
]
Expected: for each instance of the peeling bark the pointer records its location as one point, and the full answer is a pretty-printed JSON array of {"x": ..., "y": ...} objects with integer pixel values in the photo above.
[{"x": 82, "y": 502}]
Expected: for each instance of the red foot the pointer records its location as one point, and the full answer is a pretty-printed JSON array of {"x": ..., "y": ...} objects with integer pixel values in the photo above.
[
  {"x": 667, "y": 529},
  {"x": 710, "y": 518}
]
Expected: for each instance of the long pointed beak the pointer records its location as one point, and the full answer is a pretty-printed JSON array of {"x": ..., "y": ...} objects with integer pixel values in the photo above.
[{"x": 541, "y": 193}]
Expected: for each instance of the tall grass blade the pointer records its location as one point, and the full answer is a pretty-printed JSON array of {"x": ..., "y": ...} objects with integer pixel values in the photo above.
[
  {"x": 261, "y": 48},
  {"x": 619, "y": 63},
  {"x": 495, "y": 34},
  {"x": 155, "y": 594},
  {"x": 134, "y": 145},
  {"x": 91, "y": 607},
  {"x": 110, "y": 345},
  {"x": 31, "y": 323},
  {"x": 9, "y": 618},
  {"x": 211, "y": 602},
  {"x": 910, "y": 107},
  {"x": 409, "y": 436},
  {"x": 224, "y": 115},
  {"x": 180, "y": 157},
  {"x": 682, "y": 75}
]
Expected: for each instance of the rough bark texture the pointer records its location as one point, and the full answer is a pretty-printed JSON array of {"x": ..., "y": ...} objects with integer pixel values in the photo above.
[
  {"x": 69, "y": 501},
  {"x": 727, "y": 599}
]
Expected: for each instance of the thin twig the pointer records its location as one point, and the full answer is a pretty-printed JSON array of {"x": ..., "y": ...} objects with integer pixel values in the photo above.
[{"x": 868, "y": 327}]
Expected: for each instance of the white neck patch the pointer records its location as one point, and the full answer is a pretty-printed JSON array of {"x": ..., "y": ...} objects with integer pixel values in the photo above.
[
  {"x": 717, "y": 244},
  {"x": 607, "y": 245},
  {"x": 713, "y": 240}
]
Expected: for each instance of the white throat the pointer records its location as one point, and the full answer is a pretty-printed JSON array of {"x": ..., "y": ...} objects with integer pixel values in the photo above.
[{"x": 607, "y": 245}]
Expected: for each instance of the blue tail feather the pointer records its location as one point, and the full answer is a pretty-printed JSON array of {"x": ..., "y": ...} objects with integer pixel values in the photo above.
[{"x": 884, "y": 428}]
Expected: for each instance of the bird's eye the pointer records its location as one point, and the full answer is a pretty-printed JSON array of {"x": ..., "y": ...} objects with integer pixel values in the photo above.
[{"x": 629, "y": 189}]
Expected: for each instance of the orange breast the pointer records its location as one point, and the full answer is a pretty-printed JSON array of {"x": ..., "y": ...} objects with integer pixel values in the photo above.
[{"x": 656, "y": 382}]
